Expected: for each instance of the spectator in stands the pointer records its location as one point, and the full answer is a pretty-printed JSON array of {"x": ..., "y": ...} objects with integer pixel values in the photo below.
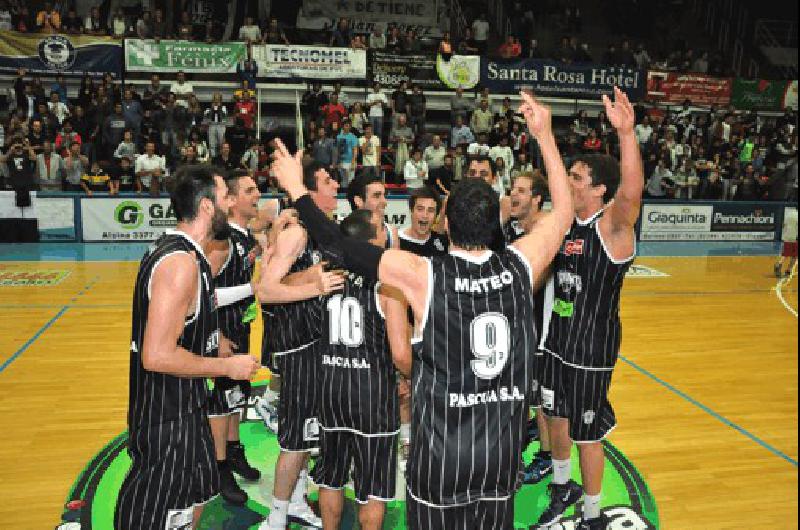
[
  {"x": 313, "y": 100},
  {"x": 415, "y": 171},
  {"x": 170, "y": 122},
  {"x": 127, "y": 147},
  {"x": 94, "y": 25},
  {"x": 417, "y": 107},
  {"x": 521, "y": 165},
  {"x": 441, "y": 178},
  {"x": 20, "y": 161},
  {"x": 625, "y": 55},
  {"x": 333, "y": 112},
  {"x": 66, "y": 137},
  {"x": 394, "y": 42},
  {"x": 410, "y": 43},
  {"x": 273, "y": 34},
  {"x": 86, "y": 128},
  {"x": 685, "y": 178},
  {"x": 480, "y": 30},
  {"x": 518, "y": 138},
  {"x": 182, "y": 89},
  {"x": 400, "y": 101},
  {"x": 660, "y": 181},
  {"x": 6, "y": 22},
  {"x": 196, "y": 142},
  {"x": 532, "y": 50},
  {"x": 377, "y": 103},
  {"x": 502, "y": 150},
  {"x": 461, "y": 135},
  {"x": 159, "y": 26},
  {"x": 481, "y": 121},
  {"x": 96, "y": 179},
  {"x": 119, "y": 25},
  {"x": 370, "y": 146},
  {"x": 468, "y": 44},
  {"x": 48, "y": 120},
  {"x": 346, "y": 153},
  {"x": 144, "y": 26},
  {"x": 358, "y": 43},
  {"x": 342, "y": 35},
  {"x": 377, "y": 39},
  {"x": 238, "y": 136},
  {"x": 611, "y": 56},
  {"x": 323, "y": 151},
  {"x": 401, "y": 141},
  {"x": 459, "y": 106},
  {"x": 700, "y": 65},
  {"x": 23, "y": 20},
  {"x": 510, "y": 49},
  {"x": 712, "y": 189},
  {"x": 132, "y": 110},
  {"x": 194, "y": 114},
  {"x": 185, "y": 27},
  {"x": 249, "y": 32},
  {"x": 582, "y": 54},
  {"x": 341, "y": 94},
  {"x": 225, "y": 159},
  {"x": 123, "y": 177},
  {"x": 592, "y": 143},
  {"x": 216, "y": 117},
  {"x": 212, "y": 31},
  {"x": 36, "y": 135},
  {"x": 48, "y": 20},
  {"x": 643, "y": 131},
  {"x": 113, "y": 130},
  {"x": 59, "y": 86},
  {"x": 75, "y": 165},
  {"x": 358, "y": 118},
  {"x": 49, "y": 168},
  {"x": 434, "y": 154},
  {"x": 150, "y": 169},
  {"x": 445, "y": 49},
  {"x": 57, "y": 107},
  {"x": 641, "y": 57},
  {"x": 155, "y": 94}
]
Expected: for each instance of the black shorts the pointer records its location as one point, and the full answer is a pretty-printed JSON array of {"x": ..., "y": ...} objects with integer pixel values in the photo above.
[
  {"x": 483, "y": 515},
  {"x": 581, "y": 396},
  {"x": 228, "y": 396},
  {"x": 173, "y": 470},
  {"x": 373, "y": 459},
  {"x": 298, "y": 426}
]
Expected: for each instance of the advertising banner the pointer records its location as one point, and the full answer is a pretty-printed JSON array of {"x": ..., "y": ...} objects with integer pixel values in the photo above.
[
  {"x": 121, "y": 219},
  {"x": 760, "y": 94},
  {"x": 418, "y": 15},
  {"x": 430, "y": 73},
  {"x": 548, "y": 78},
  {"x": 743, "y": 221},
  {"x": 310, "y": 62},
  {"x": 189, "y": 56},
  {"x": 396, "y": 213},
  {"x": 673, "y": 87},
  {"x": 728, "y": 221},
  {"x": 56, "y": 215},
  {"x": 667, "y": 222},
  {"x": 70, "y": 55}
]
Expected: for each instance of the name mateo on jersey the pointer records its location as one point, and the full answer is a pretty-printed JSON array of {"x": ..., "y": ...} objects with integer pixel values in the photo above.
[
  {"x": 484, "y": 285},
  {"x": 482, "y": 398}
]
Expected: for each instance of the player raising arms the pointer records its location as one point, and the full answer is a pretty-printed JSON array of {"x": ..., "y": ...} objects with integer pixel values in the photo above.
[
  {"x": 585, "y": 331},
  {"x": 473, "y": 358}
]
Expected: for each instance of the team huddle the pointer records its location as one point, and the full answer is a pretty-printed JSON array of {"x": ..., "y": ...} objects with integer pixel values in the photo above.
[{"x": 430, "y": 345}]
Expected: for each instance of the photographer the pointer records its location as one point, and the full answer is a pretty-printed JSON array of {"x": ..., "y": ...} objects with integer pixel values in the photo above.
[{"x": 21, "y": 163}]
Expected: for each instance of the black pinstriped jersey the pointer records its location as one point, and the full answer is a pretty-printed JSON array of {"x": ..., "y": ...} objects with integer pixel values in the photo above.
[
  {"x": 472, "y": 375},
  {"x": 291, "y": 326},
  {"x": 585, "y": 328},
  {"x": 154, "y": 397},
  {"x": 436, "y": 244},
  {"x": 389, "y": 235},
  {"x": 359, "y": 390},
  {"x": 237, "y": 270},
  {"x": 512, "y": 230}
]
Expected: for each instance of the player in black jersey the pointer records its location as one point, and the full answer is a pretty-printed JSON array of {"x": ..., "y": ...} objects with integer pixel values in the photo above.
[
  {"x": 473, "y": 357},
  {"x": 292, "y": 332},
  {"x": 424, "y": 205},
  {"x": 369, "y": 192},
  {"x": 174, "y": 347},
  {"x": 359, "y": 417},
  {"x": 585, "y": 331}
]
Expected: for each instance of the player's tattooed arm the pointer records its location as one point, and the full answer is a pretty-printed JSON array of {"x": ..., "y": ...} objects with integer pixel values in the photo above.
[
  {"x": 395, "y": 308},
  {"x": 541, "y": 244},
  {"x": 173, "y": 295}
]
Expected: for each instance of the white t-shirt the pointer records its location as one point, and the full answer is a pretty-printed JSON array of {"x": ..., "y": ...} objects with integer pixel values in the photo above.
[
  {"x": 434, "y": 157},
  {"x": 182, "y": 90},
  {"x": 411, "y": 173},
  {"x": 480, "y": 30},
  {"x": 376, "y": 110},
  {"x": 371, "y": 150},
  {"x": 59, "y": 110},
  {"x": 643, "y": 133},
  {"x": 149, "y": 163},
  {"x": 249, "y": 33}
]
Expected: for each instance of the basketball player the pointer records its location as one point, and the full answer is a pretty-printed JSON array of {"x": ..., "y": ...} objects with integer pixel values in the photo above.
[
  {"x": 473, "y": 357},
  {"x": 174, "y": 343},
  {"x": 369, "y": 192},
  {"x": 358, "y": 409},
  {"x": 424, "y": 205},
  {"x": 585, "y": 332},
  {"x": 292, "y": 333}
]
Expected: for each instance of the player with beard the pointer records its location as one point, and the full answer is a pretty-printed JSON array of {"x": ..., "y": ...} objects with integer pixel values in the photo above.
[
  {"x": 291, "y": 337},
  {"x": 368, "y": 192},
  {"x": 174, "y": 348},
  {"x": 585, "y": 333},
  {"x": 424, "y": 205},
  {"x": 473, "y": 357}
]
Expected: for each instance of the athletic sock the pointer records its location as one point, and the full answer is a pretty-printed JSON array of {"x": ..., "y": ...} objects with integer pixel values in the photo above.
[
  {"x": 279, "y": 513},
  {"x": 591, "y": 506},
  {"x": 299, "y": 493},
  {"x": 562, "y": 471}
]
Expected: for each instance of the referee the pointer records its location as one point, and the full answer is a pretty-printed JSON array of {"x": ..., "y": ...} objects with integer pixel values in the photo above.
[
  {"x": 473, "y": 353},
  {"x": 174, "y": 347}
]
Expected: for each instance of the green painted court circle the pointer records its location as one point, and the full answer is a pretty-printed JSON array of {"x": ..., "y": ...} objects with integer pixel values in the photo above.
[{"x": 626, "y": 498}]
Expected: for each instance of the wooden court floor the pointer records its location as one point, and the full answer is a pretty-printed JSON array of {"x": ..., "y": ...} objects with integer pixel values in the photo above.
[{"x": 705, "y": 391}]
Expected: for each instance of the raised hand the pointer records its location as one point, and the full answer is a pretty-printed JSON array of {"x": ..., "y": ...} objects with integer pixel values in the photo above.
[
  {"x": 288, "y": 170},
  {"x": 620, "y": 112},
  {"x": 537, "y": 116}
]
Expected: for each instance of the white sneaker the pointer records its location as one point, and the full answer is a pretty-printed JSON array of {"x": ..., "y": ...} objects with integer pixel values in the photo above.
[
  {"x": 268, "y": 414},
  {"x": 302, "y": 514}
]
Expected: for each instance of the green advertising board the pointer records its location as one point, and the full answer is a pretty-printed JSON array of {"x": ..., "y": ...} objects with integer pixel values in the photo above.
[
  {"x": 760, "y": 94},
  {"x": 188, "y": 56}
]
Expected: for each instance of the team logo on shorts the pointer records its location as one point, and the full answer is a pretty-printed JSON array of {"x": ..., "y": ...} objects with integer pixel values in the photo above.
[{"x": 588, "y": 417}]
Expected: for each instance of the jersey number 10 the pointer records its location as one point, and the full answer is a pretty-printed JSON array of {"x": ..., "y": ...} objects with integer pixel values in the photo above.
[{"x": 346, "y": 319}]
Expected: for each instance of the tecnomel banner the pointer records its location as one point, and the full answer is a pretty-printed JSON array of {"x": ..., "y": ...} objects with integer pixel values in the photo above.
[
  {"x": 189, "y": 56},
  {"x": 310, "y": 62},
  {"x": 668, "y": 222},
  {"x": 126, "y": 219}
]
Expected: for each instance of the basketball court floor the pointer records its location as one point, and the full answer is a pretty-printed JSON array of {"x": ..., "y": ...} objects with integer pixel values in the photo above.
[{"x": 705, "y": 393}]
